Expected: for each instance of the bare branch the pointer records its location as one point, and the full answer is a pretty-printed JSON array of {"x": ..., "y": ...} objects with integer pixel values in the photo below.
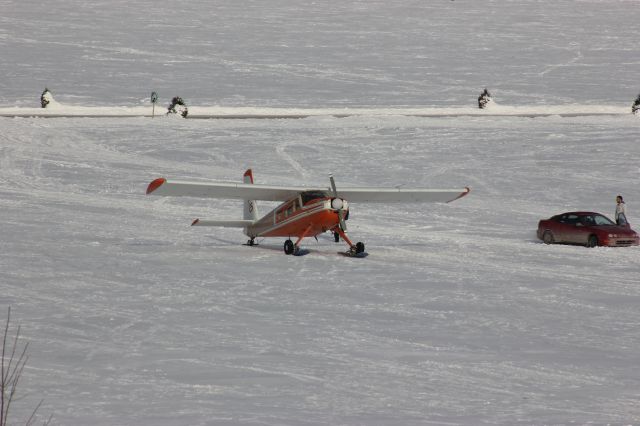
[
  {"x": 12, "y": 365},
  {"x": 32, "y": 418}
]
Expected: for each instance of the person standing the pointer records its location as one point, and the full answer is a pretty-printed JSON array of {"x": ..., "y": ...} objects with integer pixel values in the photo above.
[{"x": 621, "y": 211}]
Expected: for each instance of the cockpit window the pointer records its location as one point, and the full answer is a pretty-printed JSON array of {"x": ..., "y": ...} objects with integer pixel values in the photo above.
[{"x": 312, "y": 195}]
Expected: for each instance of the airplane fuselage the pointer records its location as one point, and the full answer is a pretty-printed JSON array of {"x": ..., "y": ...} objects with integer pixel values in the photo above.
[{"x": 307, "y": 214}]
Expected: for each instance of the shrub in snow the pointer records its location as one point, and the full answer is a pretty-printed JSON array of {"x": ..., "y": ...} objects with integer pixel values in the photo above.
[
  {"x": 484, "y": 99},
  {"x": 45, "y": 98},
  {"x": 178, "y": 107},
  {"x": 635, "y": 109},
  {"x": 14, "y": 360}
]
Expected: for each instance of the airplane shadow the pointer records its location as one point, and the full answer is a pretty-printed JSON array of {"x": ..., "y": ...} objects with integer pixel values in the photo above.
[
  {"x": 236, "y": 243},
  {"x": 304, "y": 250}
]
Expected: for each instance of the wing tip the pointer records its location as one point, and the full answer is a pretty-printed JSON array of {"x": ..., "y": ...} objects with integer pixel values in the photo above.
[
  {"x": 195, "y": 222},
  {"x": 466, "y": 191},
  {"x": 157, "y": 183}
]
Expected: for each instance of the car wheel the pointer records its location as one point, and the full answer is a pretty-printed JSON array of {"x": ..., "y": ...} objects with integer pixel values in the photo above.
[
  {"x": 547, "y": 237},
  {"x": 593, "y": 241}
]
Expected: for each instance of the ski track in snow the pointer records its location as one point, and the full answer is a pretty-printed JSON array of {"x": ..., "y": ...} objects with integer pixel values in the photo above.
[{"x": 459, "y": 315}]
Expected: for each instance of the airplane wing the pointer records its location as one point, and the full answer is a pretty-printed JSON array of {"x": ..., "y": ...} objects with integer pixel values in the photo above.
[
  {"x": 240, "y": 191},
  {"x": 244, "y": 191},
  {"x": 401, "y": 195}
]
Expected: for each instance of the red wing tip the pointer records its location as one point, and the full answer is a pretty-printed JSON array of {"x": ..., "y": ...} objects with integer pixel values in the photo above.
[
  {"x": 466, "y": 191},
  {"x": 155, "y": 185},
  {"x": 195, "y": 222}
]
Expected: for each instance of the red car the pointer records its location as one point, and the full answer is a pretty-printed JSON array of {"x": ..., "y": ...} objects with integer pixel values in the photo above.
[{"x": 586, "y": 228}]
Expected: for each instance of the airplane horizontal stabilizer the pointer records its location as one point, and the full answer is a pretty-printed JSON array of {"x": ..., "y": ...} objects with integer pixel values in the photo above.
[{"x": 225, "y": 223}]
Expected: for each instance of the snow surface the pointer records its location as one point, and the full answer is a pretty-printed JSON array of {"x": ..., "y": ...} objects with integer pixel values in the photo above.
[
  {"x": 459, "y": 315},
  {"x": 58, "y": 110},
  {"x": 329, "y": 53}
]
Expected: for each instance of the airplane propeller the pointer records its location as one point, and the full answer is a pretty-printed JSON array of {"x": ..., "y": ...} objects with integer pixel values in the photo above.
[{"x": 343, "y": 224}]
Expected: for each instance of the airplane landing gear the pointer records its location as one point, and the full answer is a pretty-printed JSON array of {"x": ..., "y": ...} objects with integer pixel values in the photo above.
[
  {"x": 356, "y": 249},
  {"x": 251, "y": 242},
  {"x": 289, "y": 248}
]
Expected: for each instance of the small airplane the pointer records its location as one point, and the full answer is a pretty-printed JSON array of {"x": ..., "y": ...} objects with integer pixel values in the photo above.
[{"x": 304, "y": 212}]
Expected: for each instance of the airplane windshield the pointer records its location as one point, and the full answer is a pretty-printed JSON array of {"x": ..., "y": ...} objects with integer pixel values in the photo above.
[{"x": 312, "y": 195}]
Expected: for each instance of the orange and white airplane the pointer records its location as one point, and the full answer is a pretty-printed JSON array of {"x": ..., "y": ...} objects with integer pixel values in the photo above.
[{"x": 305, "y": 211}]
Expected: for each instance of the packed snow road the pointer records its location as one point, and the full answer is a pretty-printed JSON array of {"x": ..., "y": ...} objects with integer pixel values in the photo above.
[{"x": 457, "y": 316}]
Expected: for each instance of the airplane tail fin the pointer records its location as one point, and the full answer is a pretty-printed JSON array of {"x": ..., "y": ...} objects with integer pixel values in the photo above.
[{"x": 250, "y": 207}]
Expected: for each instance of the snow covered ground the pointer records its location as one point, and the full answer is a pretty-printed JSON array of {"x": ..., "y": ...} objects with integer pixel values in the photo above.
[
  {"x": 457, "y": 316},
  {"x": 65, "y": 111},
  {"x": 328, "y": 53}
]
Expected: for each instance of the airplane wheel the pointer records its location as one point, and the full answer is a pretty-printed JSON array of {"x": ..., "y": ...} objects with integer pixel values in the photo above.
[
  {"x": 336, "y": 237},
  {"x": 593, "y": 241},
  {"x": 288, "y": 247},
  {"x": 359, "y": 247},
  {"x": 547, "y": 237},
  {"x": 251, "y": 242}
]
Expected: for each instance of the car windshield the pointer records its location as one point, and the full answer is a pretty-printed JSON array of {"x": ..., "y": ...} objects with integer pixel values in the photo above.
[
  {"x": 602, "y": 220},
  {"x": 595, "y": 220}
]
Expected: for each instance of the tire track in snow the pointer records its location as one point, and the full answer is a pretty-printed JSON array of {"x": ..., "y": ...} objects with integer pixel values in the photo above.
[
  {"x": 578, "y": 56},
  {"x": 295, "y": 165}
]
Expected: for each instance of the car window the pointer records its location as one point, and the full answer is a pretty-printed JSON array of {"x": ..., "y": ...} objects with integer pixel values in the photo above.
[
  {"x": 601, "y": 220},
  {"x": 572, "y": 219},
  {"x": 588, "y": 220}
]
